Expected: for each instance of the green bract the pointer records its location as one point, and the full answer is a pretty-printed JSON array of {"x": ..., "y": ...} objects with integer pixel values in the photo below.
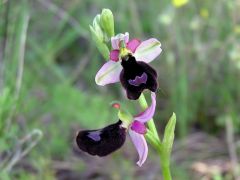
[
  {"x": 125, "y": 117},
  {"x": 98, "y": 37},
  {"x": 169, "y": 134},
  {"x": 97, "y": 27},
  {"x": 107, "y": 22}
]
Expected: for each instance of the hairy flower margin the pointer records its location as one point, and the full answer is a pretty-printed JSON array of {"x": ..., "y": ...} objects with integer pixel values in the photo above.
[
  {"x": 104, "y": 141},
  {"x": 129, "y": 64}
]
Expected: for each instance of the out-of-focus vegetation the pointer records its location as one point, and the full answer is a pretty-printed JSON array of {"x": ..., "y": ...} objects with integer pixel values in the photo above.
[{"x": 47, "y": 89}]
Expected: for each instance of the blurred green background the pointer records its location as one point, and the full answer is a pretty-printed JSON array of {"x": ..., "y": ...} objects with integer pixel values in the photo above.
[{"x": 48, "y": 64}]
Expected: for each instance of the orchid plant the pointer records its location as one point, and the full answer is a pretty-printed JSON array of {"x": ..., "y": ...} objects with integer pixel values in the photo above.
[{"x": 127, "y": 62}]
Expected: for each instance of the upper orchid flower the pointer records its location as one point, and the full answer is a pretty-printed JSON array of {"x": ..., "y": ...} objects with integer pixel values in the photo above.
[
  {"x": 104, "y": 141},
  {"x": 128, "y": 64}
]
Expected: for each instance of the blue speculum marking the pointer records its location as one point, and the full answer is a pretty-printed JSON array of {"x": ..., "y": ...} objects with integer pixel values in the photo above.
[
  {"x": 139, "y": 80},
  {"x": 94, "y": 135}
]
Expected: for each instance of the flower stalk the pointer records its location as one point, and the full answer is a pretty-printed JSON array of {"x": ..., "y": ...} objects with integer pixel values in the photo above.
[{"x": 163, "y": 148}]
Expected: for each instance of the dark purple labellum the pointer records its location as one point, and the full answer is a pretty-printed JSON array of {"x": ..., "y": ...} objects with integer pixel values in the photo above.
[
  {"x": 102, "y": 142},
  {"x": 137, "y": 76}
]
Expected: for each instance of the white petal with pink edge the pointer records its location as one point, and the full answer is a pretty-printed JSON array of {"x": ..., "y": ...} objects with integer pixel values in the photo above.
[
  {"x": 141, "y": 146},
  {"x": 146, "y": 115},
  {"x": 148, "y": 50},
  {"x": 109, "y": 73}
]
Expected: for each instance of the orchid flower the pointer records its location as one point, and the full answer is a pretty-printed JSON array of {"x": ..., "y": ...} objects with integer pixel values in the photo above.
[
  {"x": 129, "y": 64},
  {"x": 104, "y": 141}
]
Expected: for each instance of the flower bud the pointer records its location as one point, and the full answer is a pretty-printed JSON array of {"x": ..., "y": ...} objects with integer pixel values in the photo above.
[
  {"x": 97, "y": 27},
  {"x": 102, "y": 47},
  {"x": 107, "y": 22}
]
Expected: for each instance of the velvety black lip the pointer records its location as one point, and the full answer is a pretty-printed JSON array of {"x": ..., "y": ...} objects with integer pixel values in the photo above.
[
  {"x": 103, "y": 141},
  {"x": 133, "y": 69}
]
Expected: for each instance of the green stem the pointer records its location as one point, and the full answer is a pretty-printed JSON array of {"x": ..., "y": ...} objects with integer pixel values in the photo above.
[
  {"x": 153, "y": 138},
  {"x": 165, "y": 163},
  {"x": 166, "y": 171}
]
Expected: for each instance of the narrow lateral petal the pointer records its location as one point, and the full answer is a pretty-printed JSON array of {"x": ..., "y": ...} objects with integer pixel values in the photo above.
[
  {"x": 120, "y": 37},
  {"x": 141, "y": 146},
  {"x": 149, "y": 112},
  {"x": 109, "y": 73},
  {"x": 133, "y": 44},
  {"x": 148, "y": 50},
  {"x": 114, "y": 55}
]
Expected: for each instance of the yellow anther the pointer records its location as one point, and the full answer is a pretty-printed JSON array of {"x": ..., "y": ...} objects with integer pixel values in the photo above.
[{"x": 124, "y": 52}]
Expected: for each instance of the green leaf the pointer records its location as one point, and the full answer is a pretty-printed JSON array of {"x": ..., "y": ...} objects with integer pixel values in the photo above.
[{"x": 169, "y": 134}]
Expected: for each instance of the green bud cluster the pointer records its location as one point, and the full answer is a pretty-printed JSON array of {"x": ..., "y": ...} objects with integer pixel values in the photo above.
[{"x": 102, "y": 30}]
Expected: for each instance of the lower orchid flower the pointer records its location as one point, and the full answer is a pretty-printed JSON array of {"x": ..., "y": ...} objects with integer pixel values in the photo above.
[
  {"x": 104, "y": 141},
  {"x": 129, "y": 64}
]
